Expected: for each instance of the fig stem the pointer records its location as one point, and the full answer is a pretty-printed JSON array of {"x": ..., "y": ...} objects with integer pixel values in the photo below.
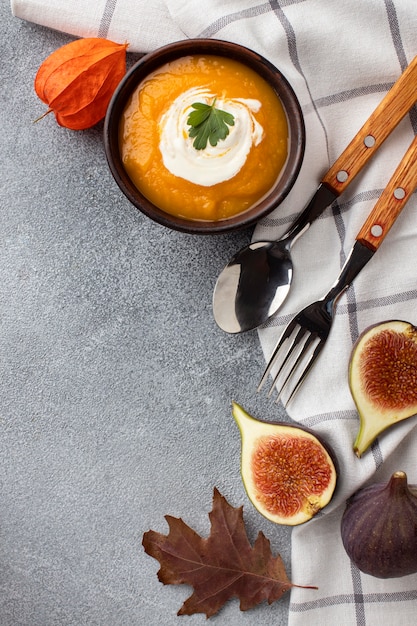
[
  {"x": 398, "y": 483},
  {"x": 368, "y": 432}
]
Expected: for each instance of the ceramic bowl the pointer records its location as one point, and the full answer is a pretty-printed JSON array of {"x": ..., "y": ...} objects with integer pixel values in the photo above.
[{"x": 151, "y": 62}]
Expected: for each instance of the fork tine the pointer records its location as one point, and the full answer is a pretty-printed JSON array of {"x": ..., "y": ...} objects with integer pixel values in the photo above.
[
  {"x": 304, "y": 350},
  {"x": 297, "y": 341},
  {"x": 285, "y": 335},
  {"x": 306, "y": 370}
]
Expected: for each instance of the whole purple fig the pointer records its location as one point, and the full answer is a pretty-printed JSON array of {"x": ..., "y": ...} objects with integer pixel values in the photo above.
[{"x": 379, "y": 528}]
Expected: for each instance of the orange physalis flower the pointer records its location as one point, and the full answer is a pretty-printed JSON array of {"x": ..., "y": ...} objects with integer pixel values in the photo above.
[{"x": 78, "y": 80}]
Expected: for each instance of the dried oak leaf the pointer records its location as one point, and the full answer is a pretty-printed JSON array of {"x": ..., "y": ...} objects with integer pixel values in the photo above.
[
  {"x": 78, "y": 80},
  {"x": 223, "y": 566}
]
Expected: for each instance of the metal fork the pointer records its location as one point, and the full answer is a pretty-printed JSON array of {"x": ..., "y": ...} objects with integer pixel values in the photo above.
[{"x": 306, "y": 335}]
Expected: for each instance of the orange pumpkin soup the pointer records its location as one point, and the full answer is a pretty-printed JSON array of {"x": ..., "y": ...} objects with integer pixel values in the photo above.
[{"x": 220, "y": 180}]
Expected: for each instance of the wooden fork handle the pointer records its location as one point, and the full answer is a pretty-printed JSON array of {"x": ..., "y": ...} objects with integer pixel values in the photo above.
[
  {"x": 390, "y": 111},
  {"x": 392, "y": 200}
]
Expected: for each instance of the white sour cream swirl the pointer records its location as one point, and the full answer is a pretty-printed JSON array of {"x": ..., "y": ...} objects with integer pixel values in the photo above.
[{"x": 214, "y": 164}]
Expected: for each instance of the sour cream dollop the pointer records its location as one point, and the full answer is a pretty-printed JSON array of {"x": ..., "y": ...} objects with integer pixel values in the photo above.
[{"x": 214, "y": 164}]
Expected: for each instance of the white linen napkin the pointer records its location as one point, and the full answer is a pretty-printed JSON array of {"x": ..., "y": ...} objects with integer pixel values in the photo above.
[
  {"x": 341, "y": 58},
  {"x": 144, "y": 24}
]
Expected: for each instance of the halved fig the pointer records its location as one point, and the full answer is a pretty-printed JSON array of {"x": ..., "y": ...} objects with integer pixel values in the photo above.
[
  {"x": 383, "y": 378},
  {"x": 288, "y": 472}
]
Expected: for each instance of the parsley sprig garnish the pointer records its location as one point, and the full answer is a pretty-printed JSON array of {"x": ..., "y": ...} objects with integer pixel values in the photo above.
[{"x": 208, "y": 124}]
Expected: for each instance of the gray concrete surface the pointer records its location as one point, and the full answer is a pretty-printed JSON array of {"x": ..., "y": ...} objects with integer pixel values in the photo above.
[{"x": 115, "y": 383}]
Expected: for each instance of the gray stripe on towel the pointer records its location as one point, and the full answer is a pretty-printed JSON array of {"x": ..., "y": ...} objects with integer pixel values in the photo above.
[{"x": 106, "y": 18}]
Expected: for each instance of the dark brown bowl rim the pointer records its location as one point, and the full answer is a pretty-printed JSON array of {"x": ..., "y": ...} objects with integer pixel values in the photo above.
[{"x": 151, "y": 62}]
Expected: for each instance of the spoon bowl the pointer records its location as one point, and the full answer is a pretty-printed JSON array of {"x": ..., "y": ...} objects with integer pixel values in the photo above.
[{"x": 255, "y": 283}]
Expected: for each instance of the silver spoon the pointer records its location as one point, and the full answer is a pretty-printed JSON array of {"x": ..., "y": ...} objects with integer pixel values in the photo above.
[{"x": 254, "y": 284}]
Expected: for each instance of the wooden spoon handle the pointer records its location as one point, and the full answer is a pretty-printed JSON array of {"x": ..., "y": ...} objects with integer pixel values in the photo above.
[
  {"x": 390, "y": 111},
  {"x": 392, "y": 200}
]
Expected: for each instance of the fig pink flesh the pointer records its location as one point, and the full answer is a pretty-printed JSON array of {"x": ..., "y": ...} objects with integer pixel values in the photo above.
[{"x": 287, "y": 471}]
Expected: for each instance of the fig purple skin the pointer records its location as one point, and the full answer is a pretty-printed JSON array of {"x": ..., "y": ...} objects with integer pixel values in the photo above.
[{"x": 379, "y": 528}]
